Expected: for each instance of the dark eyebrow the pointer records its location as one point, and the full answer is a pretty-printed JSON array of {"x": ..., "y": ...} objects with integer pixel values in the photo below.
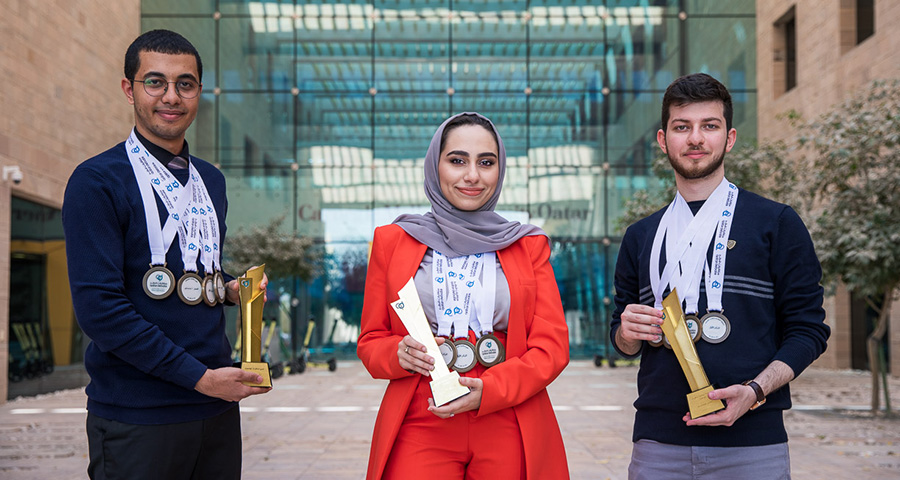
[
  {"x": 705, "y": 120},
  {"x": 180, "y": 77},
  {"x": 463, "y": 153}
]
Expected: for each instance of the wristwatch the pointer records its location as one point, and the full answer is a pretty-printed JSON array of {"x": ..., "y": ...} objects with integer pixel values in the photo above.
[{"x": 760, "y": 396}]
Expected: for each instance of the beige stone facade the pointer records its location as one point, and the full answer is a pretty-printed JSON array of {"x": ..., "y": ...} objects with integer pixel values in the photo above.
[
  {"x": 831, "y": 66},
  {"x": 61, "y": 64}
]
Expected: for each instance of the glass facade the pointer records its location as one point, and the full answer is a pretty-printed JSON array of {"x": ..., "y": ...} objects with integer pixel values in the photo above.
[{"x": 322, "y": 111}]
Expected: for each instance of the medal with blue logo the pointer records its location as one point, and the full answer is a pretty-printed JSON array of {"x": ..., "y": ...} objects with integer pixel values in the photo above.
[
  {"x": 489, "y": 350},
  {"x": 159, "y": 282}
]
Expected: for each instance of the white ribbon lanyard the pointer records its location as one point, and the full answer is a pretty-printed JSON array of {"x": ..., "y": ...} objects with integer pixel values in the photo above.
[
  {"x": 181, "y": 203},
  {"x": 686, "y": 258},
  {"x": 715, "y": 274},
  {"x": 204, "y": 211},
  {"x": 454, "y": 282}
]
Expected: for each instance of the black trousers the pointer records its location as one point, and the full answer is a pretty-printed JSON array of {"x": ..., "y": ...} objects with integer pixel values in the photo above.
[{"x": 198, "y": 450}]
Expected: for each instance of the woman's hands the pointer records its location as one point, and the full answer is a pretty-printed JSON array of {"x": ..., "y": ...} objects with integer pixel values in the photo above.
[
  {"x": 471, "y": 401},
  {"x": 413, "y": 358}
]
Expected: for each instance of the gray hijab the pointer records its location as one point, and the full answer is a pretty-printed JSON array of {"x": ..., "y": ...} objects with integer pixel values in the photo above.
[{"x": 455, "y": 232}]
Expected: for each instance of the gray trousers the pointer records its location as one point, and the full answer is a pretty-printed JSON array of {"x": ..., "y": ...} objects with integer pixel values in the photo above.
[{"x": 660, "y": 461}]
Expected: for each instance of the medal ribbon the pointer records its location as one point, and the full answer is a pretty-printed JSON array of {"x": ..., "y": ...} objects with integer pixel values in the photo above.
[
  {"x": 715, "y": 275},
  {"x": 454, "y": 289},
  {"x": 148, "y": 176},
  {"x": 187, "y": 207},
  {"x": 685, "y": 260}
]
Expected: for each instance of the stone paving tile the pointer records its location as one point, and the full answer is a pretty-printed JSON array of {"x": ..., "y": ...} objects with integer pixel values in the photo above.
[{"x": 318, "y": 425}]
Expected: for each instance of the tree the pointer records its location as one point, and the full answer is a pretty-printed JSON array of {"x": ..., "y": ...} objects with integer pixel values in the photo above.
[
  {"x": 852, "y": 183},
  {"x": 285, "y": 255}
]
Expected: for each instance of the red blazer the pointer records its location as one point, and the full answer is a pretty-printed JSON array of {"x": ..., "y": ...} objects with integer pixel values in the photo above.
[{"x": 537, "y": 347}]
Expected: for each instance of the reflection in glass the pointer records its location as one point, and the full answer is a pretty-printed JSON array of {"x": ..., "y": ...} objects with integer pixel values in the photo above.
[{"x": 321, "y": 112}]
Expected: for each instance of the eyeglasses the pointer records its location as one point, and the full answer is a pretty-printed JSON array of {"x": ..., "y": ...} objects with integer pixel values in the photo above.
[{"x": 158, "y": 86}]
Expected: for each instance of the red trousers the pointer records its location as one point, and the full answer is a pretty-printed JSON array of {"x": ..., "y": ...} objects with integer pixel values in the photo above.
[{"x": 461, "y": 447}]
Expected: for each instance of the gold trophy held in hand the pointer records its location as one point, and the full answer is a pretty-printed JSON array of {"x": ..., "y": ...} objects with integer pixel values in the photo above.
[
  {"x": 679, "y": 337},
  {"x": 252, "y": 301}
]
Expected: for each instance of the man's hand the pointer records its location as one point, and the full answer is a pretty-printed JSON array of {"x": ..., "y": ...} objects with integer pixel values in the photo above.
[
  {"x": 233, "y": 290},
  {"x": 226, "y": 383},
  {"x": 739, "y": 399},
  {"x": 639, "y": 322},
  {"x": 471, "y": 401}
]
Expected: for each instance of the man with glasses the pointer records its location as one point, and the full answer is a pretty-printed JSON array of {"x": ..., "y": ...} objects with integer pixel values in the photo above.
[{"x": 144, "y": 224}]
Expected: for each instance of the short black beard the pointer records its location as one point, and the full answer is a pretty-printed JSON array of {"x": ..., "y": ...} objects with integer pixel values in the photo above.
[{"x": 695, "y": 175}]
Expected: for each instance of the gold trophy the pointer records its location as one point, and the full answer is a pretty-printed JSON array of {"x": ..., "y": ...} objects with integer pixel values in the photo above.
[
  {"x": 679, "y": 337},
  {"x": 445, "y": 386},
  {"x": 252, "y": 302}
]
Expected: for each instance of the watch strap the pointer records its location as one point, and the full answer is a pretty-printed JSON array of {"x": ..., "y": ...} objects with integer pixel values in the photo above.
[{"x": 760, "y": 396}]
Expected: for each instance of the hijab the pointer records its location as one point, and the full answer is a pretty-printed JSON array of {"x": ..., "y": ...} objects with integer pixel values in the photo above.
[{"x": 454, "y": 232}]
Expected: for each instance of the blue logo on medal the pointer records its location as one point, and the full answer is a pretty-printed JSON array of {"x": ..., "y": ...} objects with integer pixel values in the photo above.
[
  {"x": 488, "y": 343},
  {"x": 245, "y": 283},
  {"x": 159, "y": 277}
]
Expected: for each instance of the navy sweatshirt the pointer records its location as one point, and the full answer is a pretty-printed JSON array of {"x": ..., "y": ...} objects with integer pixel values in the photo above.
[
  {"x": 145, "y": 355},
  {"x": 773, "y": 299}
]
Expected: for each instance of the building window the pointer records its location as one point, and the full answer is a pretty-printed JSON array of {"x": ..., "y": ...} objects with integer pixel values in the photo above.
[
  {"x": 865, "y": 19},
  {"x": 857, "y": 22},
  {"x": 785, "y": 52}
]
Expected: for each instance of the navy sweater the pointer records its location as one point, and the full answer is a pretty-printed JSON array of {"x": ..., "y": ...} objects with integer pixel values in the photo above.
[
  {"x": 145, "y": 355},
  {"x": 773, "y": 300}
]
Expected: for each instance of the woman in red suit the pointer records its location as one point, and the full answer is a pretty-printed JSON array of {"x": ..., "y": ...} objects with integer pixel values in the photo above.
[{"x": 505, "y": 427}]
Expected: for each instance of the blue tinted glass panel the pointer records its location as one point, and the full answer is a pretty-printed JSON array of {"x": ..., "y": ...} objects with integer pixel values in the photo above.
[
  {"x": 733, "y": 59},
  {"x": 411, "y": 50},
  {"x": 261, "y": 58},
  {"x": 255, "y": 132},
  {"x": 489, "y": 52},
  {"x": 720, "y": 7}
]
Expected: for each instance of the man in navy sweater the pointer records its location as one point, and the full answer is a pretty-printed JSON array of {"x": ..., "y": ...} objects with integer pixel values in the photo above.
[
  {"x": 144, "y": 224},
  {"x": 747, "y": 266}
]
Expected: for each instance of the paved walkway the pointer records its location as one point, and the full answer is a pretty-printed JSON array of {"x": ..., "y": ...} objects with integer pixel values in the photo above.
[{"x": 318, "y": 425}]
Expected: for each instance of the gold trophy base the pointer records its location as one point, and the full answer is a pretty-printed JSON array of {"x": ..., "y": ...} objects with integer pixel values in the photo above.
[
  {"x": 261, "y": 368},
  {"x": 447, "y": 388},
  {"x": 700, "y": 403}
]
